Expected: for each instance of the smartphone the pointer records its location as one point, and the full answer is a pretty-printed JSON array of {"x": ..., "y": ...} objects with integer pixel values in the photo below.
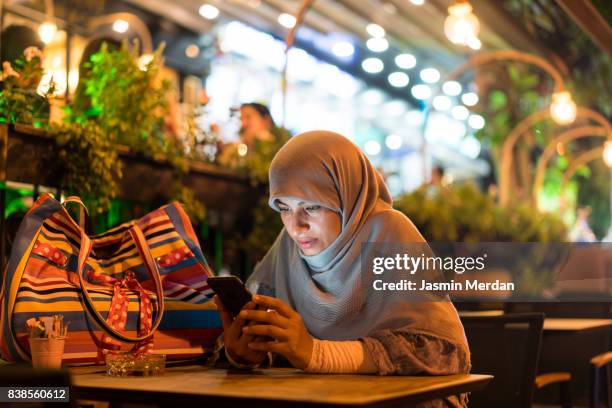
[{"x": 232, "y": 292}]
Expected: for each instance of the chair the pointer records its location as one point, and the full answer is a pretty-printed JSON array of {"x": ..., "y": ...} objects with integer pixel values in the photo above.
[
  {"x": 599, "y": 363},
  {"x": 508, "y": 347},
  {"x": 574, "y": 352}
]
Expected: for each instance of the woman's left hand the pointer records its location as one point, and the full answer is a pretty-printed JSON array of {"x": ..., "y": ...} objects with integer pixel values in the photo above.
[{"x": 279, "y": 321}]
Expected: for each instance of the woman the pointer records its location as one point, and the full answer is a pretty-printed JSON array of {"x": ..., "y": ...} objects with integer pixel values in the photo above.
[
  {"x": 313, "y": 304},
  {"x": 260, "y": 139},
  {"x": 256, "y": 123}
]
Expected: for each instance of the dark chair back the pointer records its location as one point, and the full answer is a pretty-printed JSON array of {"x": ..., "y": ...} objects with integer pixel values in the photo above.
[{"x": 507, "y": 347}]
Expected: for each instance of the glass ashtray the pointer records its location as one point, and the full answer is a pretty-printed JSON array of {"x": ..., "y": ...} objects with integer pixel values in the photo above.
[{"x": 135, "y": 365}]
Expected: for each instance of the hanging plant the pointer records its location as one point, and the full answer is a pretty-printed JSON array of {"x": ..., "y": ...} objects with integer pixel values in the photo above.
[
  {"x": 127, "y": 98},
  {"x": 267, "y": 224},
  {"x": 90, "y": 163},
  {"x": 192, "y": 206}
]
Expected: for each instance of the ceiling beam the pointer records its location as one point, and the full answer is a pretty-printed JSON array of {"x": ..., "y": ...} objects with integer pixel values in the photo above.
[
  {"x": 586, "y": 16},
  {"x": 428, "y": 17},
  {"x": 312, "y": 18},
  {"x": 178, "y": 15},
  {"x": 404, "y": 34}
]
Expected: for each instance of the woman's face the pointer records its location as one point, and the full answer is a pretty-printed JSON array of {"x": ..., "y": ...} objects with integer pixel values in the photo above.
[
  {"x": 311, "y": 226},
  {"x": 252, "y": 123}
]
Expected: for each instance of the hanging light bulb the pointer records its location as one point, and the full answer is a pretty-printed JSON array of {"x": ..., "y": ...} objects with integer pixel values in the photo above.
[
  {"x": 461, "y": 25},
  {"x": 46, "y": 31},
  {"x": 563, "y": 108},
  {"x": 120, "y": 26},
  {"x": 607, "y": 153}
]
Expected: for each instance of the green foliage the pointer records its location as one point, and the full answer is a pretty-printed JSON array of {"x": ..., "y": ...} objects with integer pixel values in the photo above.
[
  {"x": 506, "y": 102},
  {"x": 498, "y": 100},
  {"x": 464, "y": 214},
  {"x": 192, "y": 206},
  {"x": 90, "y": 162},
  {"x": 589, "y": 79},
  {"x": 257, "y": 161},
  {"x": 258, "y": 164},
  {"x": 128, "y": 102},
  {"x": 267, "y": 225},
  {"x": 590, "y": 68},
  {"x": 594, "y": 192},
  {"x": 19, "y": 100}
]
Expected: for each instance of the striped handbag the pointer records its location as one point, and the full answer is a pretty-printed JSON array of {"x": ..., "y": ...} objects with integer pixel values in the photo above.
[{"x": 140, "y": 286}]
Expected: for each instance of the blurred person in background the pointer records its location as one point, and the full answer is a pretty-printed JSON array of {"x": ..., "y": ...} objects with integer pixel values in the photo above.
[
  {"x": 581, "y": 231},
  {"x": 260, "y": 139},
  {"x": 436, "y": 182}
]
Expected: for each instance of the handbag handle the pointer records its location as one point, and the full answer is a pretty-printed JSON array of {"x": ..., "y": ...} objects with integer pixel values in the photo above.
[
  {"x": 145, "y": 253},
  {"x": 82, "y": 209}
]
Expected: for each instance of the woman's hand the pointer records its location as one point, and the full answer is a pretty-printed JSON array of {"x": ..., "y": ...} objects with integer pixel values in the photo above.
[
  {"x": 236, "y": 342},
  {"x": 279, "y": 321}
]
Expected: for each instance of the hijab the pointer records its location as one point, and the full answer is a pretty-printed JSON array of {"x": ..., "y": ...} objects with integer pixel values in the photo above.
[{"x": 330, "y": 290}]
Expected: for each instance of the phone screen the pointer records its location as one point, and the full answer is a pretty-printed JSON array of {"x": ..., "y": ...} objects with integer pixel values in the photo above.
[{"x": 232, "y": 292}]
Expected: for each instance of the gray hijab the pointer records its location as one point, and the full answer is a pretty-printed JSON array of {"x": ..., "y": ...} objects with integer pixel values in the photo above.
[{"x": 330, "y": 290}]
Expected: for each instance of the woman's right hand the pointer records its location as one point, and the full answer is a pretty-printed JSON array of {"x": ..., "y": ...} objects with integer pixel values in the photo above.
[{"x": 236, "y": 343}]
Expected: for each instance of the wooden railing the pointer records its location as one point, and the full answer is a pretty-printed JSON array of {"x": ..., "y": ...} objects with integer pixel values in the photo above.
[{"x": 26, "y": 156}]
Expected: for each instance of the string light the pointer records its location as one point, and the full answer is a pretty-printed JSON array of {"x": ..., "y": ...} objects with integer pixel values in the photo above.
[
  {"x": 372, "y": 65},
  {"x": 405, "y": 61},
  {"x": 375, "y": 30},
  {"x": 460, "y": 112},
  {"x": 208, "y": 12},
  {"x": 442, "y": 103},
  {"x": 461, "y": 25},
  {"x": 372, "y": 147},
  {"x": 607, "y": 153},
  {"x": 451, "y": 88},
  {"x": 398, "y": 79},
  {"x": 377, "y": 44},
  {"x": 121, "y": 26},
  {"x": 343, "y": 49},
  {"x": 192, "y": 51},
  {"x": 287, "y": 20},
  {"x": 430, "y": 75},
  {"x": 393, "y": 141},
  {"x": 46, "y": 31},
  {"x": 563, "y": 108},
  {"x": 421, "y": 91},
  {"x": 469, "y": 99},
  {"x": 476, "y": 122}
]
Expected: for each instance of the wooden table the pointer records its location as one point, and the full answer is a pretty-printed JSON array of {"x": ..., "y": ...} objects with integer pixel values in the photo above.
[
  {"x": 574, "y": 325},
  {"x": 551, "y": 324},
  {"x": 273, "y": 387},
  {"x": 480, "y": 313}
]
